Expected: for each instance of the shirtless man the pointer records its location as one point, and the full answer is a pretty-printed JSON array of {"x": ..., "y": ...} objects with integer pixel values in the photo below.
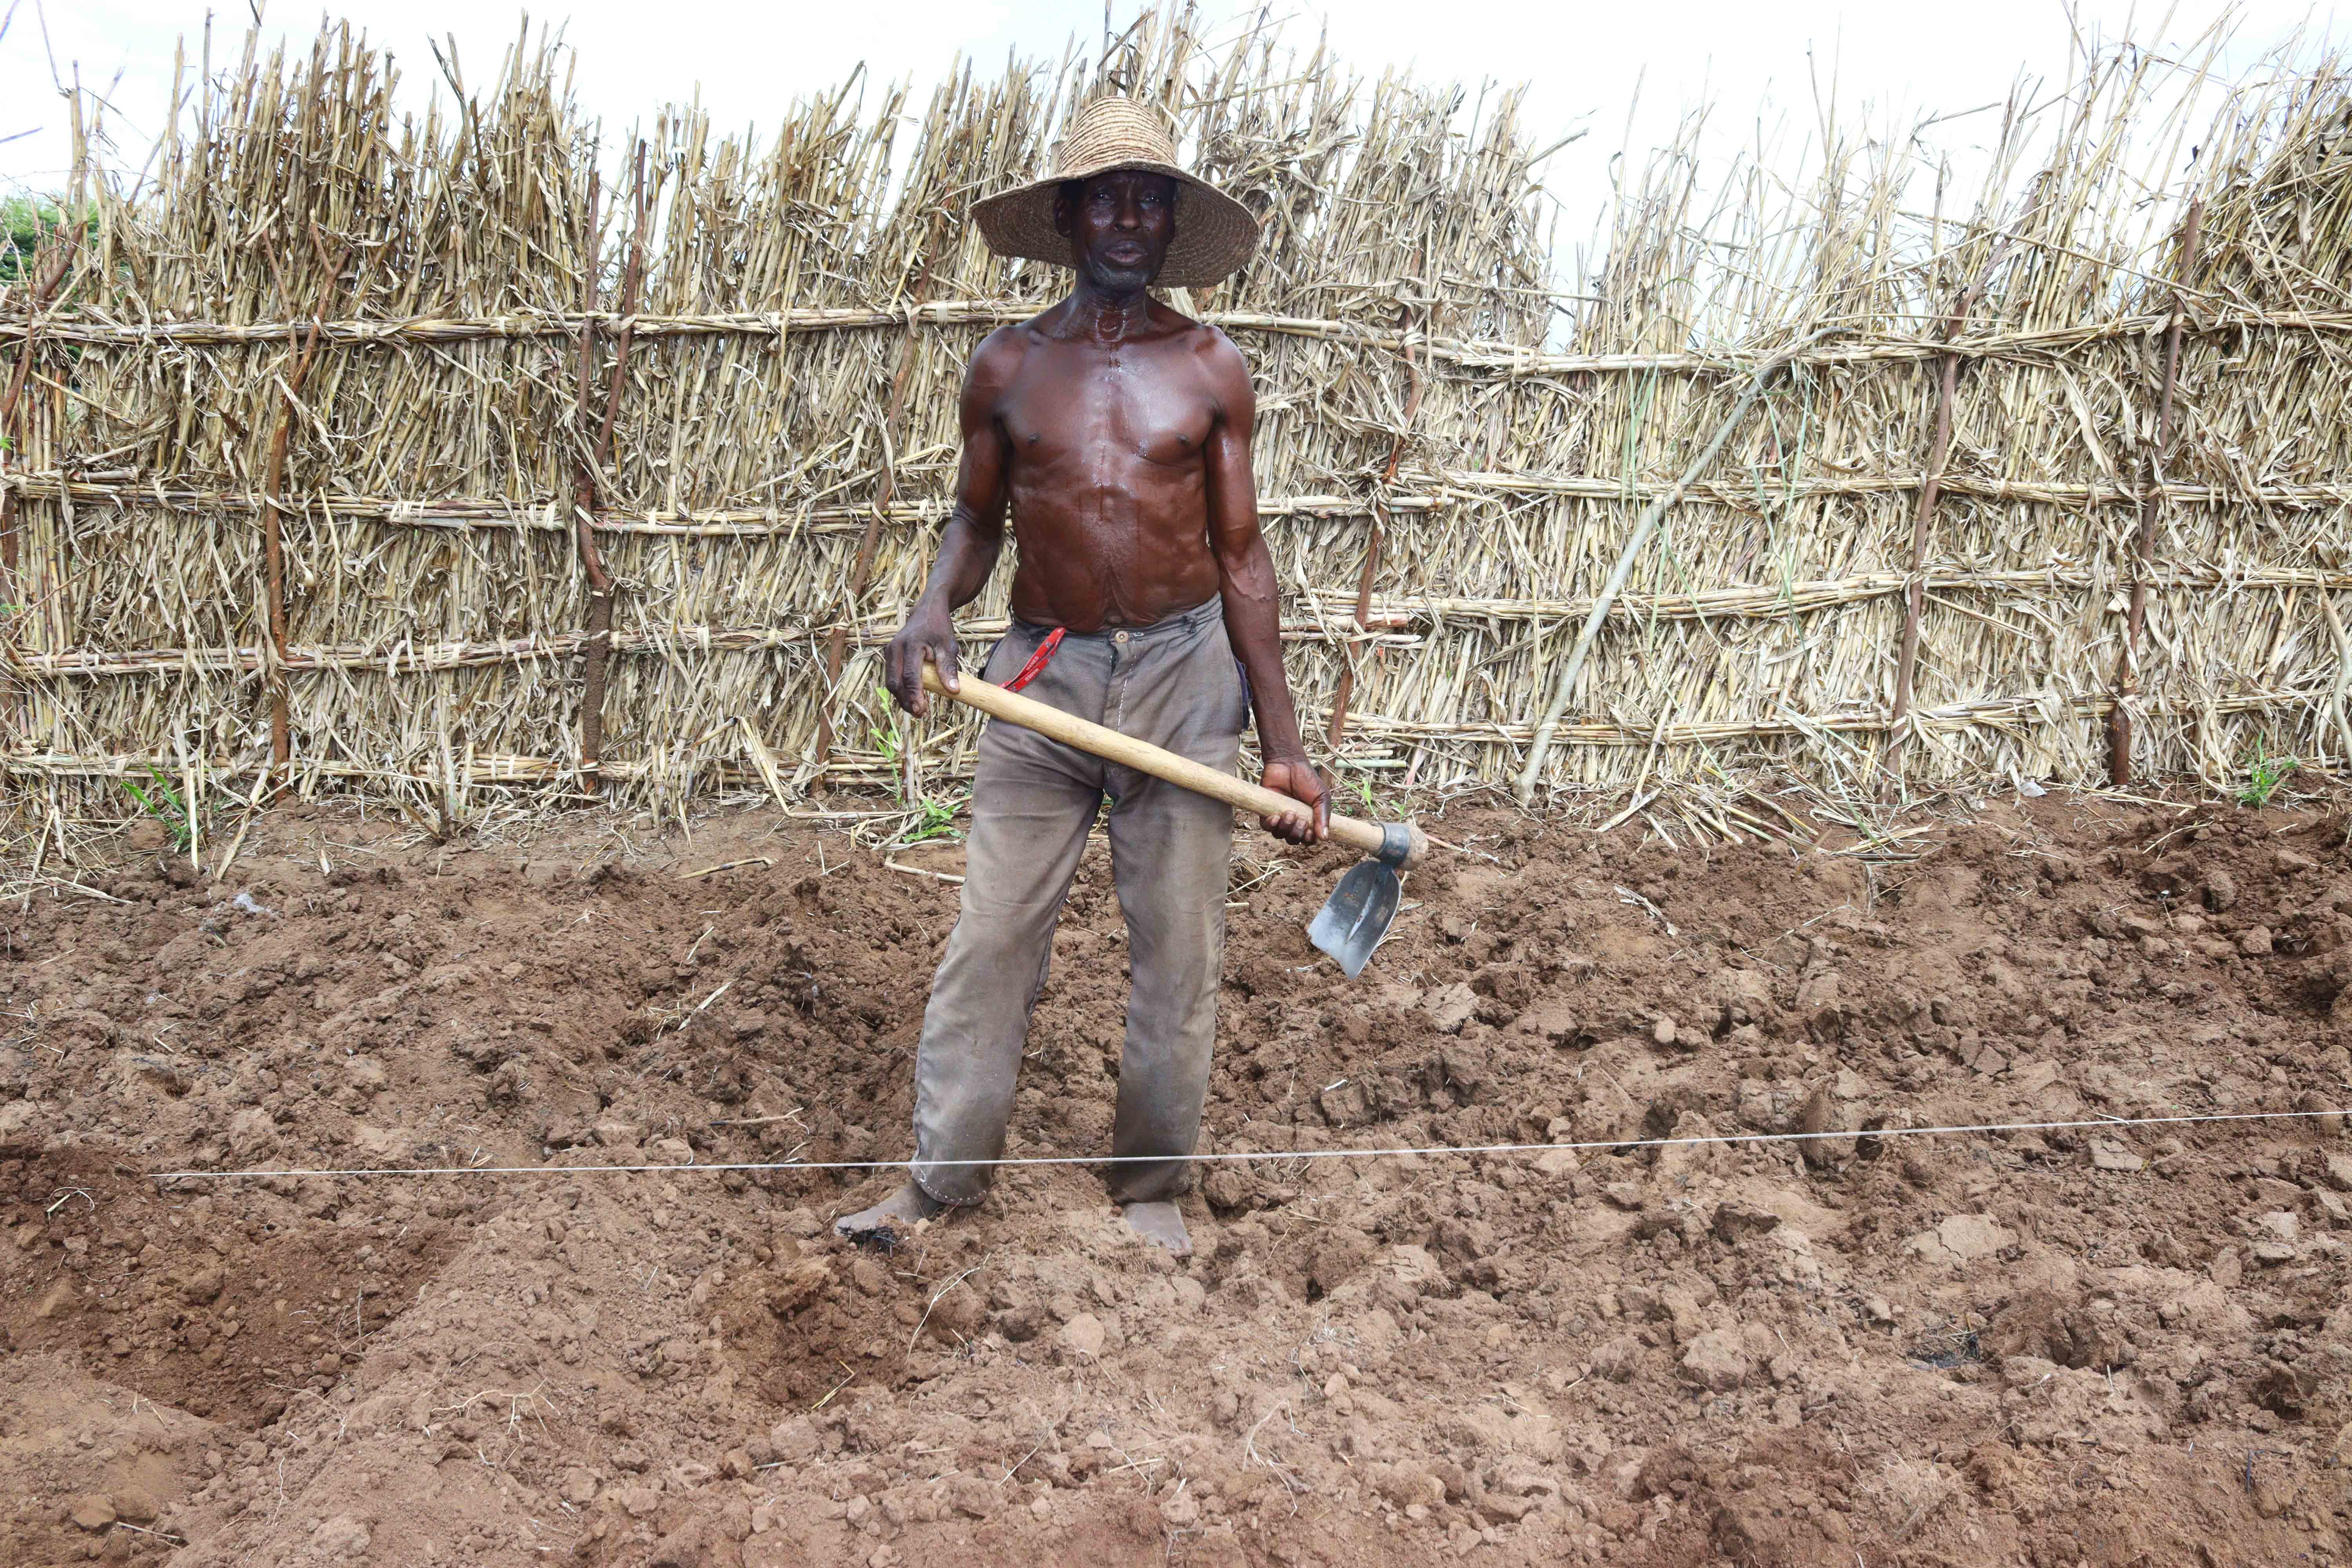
[{"x": 1117, "y": 431}]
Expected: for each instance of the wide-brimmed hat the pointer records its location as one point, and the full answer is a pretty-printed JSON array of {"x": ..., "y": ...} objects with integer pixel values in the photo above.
[{"x": 1214, "y": 233}]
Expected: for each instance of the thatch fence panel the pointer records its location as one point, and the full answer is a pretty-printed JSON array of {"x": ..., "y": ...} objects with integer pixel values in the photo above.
[
  {"x": 2259, "y": 413},
  {"x": 1911, "y": 560}
]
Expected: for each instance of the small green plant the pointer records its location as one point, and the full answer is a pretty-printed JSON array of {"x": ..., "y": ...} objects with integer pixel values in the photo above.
[
  {"x": 166, "y": 806},
  {"x": 2265, "y": 773},
  {"x": 935, "y": 820},
  {"x": 888, "y": 739}
]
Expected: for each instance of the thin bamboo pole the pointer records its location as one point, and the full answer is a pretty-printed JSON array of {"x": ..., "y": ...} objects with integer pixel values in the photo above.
[
  {"x": 1503, "y": 359},
  {"x": 1402, "y": 623},
  {"x": 1994, "y": 713},
  {"x": 1539, "y": 746},
  {"x": 489, "y": 513}
]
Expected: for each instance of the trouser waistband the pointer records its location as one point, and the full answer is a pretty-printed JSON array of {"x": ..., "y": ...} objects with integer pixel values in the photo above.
[{"x": 1210, "y": 609}]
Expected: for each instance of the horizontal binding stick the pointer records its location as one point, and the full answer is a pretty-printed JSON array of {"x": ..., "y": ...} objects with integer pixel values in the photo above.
[
  {"x": 1503, "y": 359},
  {"x": 1147, "y": 758},
  {"x": 124, "y": 486}
]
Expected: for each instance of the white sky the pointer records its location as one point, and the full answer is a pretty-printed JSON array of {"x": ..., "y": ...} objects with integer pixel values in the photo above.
[{"x": 1589, "y": 65}]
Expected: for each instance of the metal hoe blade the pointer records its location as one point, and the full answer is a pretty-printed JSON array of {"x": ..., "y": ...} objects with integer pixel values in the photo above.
[{"x": 1357, "y": 915}]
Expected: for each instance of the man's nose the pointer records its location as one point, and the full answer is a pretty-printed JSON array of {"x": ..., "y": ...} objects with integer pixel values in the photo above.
[{"x": 1131, "y": 212}]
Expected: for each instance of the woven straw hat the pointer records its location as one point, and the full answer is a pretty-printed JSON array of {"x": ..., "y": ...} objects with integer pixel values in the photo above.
[{"x": 1214, "y": 233}]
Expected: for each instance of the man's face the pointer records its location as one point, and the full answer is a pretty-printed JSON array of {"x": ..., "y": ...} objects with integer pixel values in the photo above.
[{"x": 1120, "y": 226}]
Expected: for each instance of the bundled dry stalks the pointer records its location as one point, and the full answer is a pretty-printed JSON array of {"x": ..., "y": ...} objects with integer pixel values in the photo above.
[{"x": 328, "y": 438}]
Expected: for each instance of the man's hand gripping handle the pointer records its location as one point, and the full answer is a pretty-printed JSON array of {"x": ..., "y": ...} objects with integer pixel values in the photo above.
[{"x": 1144, "y": 757}]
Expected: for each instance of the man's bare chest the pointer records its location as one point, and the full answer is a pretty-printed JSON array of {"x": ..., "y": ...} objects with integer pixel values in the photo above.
[{"x": 1092, "y": 405}]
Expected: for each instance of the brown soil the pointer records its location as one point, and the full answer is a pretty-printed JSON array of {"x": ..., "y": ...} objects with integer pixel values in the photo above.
[{"x": 2045, "y": 1348}]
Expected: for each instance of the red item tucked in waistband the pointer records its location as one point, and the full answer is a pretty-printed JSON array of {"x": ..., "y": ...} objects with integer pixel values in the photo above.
[{"x": 1038, "y": 661}]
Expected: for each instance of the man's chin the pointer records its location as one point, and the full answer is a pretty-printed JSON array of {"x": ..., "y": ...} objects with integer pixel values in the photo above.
[{"x": 1123, "y": 279}]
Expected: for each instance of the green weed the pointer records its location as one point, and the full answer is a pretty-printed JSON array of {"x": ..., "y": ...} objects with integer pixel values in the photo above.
[
  {"x": 937, "y": 820},
  {"x": 166, "y": 807},
  {"x": 933, "y": 818},
  {"x": 887, "y": 738},
  {"x": 2264, "y": 774}
]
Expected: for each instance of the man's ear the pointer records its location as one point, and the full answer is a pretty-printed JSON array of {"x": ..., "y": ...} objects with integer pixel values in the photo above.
[{"x": 1062, "y": 219}]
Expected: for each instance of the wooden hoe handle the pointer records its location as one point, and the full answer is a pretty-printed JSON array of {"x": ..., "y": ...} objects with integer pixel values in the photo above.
[{"x": 1144, "y": 757}]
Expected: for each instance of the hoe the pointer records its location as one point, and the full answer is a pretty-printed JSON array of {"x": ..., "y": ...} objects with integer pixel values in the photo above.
[{"x": 1355, "y": 917}]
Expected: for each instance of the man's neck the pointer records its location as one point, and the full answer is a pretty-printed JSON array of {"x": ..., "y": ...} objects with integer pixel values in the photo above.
[{"x": 1109, "y": 317}]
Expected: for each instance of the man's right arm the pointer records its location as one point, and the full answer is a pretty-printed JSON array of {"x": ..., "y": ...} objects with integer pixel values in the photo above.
[{"x": 972, "y": 539}]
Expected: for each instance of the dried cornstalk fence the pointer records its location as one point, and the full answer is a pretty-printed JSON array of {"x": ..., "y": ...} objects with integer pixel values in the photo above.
[{"x": 395, "y": 455}]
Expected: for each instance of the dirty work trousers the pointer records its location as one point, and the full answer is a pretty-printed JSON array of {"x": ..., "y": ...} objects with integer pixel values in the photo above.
[{"x": 1175, "y": 684}]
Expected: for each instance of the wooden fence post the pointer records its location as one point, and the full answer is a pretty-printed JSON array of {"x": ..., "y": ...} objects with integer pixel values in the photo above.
[
  {"x": 11, "y": 430},
  {"x": 1915, "y": 593},
  {"x": 1372, "y": 544},
  {"x": 861, "y": 571},
  {"x": 596, "y": 452},
  {"x": 273, "y": 507},
  {"x": 2143, "y": 561},
  {"x": 1931, "y": 493}
]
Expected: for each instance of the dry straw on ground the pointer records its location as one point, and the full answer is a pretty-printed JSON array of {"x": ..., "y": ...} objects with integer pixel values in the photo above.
[{"x": 2075, "y": 444}]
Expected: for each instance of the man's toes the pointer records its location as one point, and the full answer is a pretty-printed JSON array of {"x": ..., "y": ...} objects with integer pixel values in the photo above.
[
  {"x": 1161, "y": 1225},
  {"x": 904, "y": 1209}
]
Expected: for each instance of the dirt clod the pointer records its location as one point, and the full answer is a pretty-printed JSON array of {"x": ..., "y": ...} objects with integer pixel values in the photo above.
[{"x": 91, "y": 1512}]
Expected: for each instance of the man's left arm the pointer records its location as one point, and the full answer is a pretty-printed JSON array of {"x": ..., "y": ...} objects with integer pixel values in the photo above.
[{"x": 1253, "y": 598}]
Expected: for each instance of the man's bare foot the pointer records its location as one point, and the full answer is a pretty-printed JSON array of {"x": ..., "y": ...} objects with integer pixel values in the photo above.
[
  {"x": 1159, "y": 1225},
  {"x": 905, "y": 1208}
]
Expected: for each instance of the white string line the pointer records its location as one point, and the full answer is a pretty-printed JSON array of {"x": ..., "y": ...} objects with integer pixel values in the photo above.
[{"x": 1254, "y": 1154}]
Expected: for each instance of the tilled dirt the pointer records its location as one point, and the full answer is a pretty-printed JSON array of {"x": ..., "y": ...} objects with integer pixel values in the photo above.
[{"x": 2126, "y": 1345}]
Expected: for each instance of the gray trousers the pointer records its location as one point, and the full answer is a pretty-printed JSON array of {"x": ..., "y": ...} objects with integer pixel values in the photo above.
[{"x": 1175, "y": 684}]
